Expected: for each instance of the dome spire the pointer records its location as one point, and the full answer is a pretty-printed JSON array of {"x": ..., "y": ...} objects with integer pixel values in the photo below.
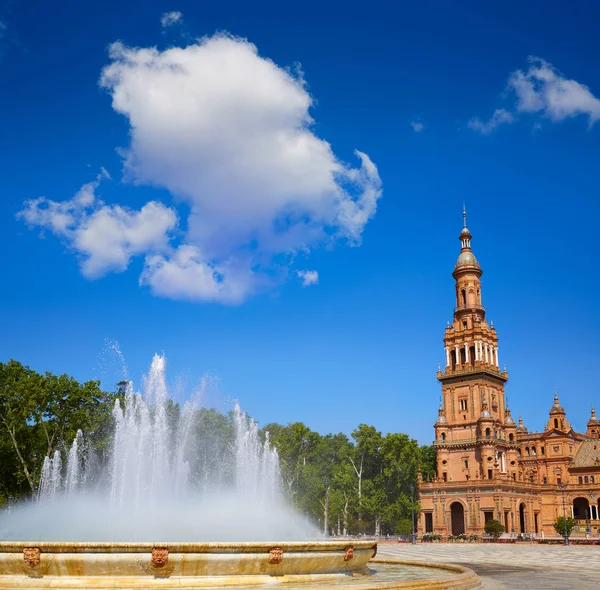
[{"x": 466, "y": 257}]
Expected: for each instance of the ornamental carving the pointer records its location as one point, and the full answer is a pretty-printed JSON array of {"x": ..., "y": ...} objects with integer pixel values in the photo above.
[
  {"x": 275, "y": 555},
  {"x": 374, "y": 550},
  {"x": 160, "y": 556},
  {"x": 349, "y": 553},
  {"x": 31, "y": 556}
]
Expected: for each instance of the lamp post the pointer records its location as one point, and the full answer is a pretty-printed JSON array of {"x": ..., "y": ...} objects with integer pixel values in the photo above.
[
  {"x": 326, "y": 508},
  {"x": 412, "y": 513},
  {"x": 563, "y": 487}
]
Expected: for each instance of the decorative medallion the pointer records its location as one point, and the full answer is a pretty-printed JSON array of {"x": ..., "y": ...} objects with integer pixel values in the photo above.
[
  {"x": 275, "y": 555},
  {"x": 374, "y": 550},
  {"x": 160, "y": 556},
  {"x": 349, "y": 553},
  {"x": 31, "y": 556}
]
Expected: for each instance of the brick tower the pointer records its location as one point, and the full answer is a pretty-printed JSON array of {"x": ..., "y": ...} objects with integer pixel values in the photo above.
[{"x": 473, "y": 417}]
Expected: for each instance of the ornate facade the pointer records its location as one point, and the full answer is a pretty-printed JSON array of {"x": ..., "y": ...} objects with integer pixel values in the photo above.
[{"x": 489, "y": 467}]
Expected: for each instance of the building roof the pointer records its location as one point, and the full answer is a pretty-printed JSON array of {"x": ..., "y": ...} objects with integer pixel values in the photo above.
[{"x": 588, "y": 454}]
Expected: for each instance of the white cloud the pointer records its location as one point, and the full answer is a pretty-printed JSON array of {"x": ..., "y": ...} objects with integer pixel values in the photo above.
[
  {"x": 417, "y": 126},
  {"x": 308, "y": 277},
  {"x": 543, "y": 89},
  {"x": 105, "y": 237},
  {"x": 499, "y": 117},
  {"x": 168, "y": 19},
  {"x": 229, "y": 133}
]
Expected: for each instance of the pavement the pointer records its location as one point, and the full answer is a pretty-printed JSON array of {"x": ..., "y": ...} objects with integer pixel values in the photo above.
[{"x": 512, "y": 566}]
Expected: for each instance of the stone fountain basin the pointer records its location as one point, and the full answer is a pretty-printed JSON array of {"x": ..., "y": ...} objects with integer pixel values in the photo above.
[{"x": 114, "y": 565}]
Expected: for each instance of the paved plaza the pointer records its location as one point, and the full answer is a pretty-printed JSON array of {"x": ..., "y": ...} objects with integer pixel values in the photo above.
[{"x": 517, "y": 566}]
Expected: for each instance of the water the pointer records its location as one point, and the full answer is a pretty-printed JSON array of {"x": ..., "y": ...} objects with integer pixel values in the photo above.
[{"x": 165, "y": 480}]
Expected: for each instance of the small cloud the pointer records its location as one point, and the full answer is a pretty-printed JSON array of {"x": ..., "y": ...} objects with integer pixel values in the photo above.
[
  {"x": 543, "y": 89},
  {"x": 105, "y": 237},
  {"x": 417, "y": 126},
  {"x": 168, "y": 19},
  {"x": 499, "y": 117},
  {"x": 308, "y": 277}
]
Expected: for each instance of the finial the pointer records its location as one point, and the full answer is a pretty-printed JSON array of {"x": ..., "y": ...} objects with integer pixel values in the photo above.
[
  {"x": 464, "y": 215},
  {"x": 439, "y": 368},
  {"x": 593, "y": 411},
  {"x": 491, "y": 323},
  {"x": 447, "y": 323}
]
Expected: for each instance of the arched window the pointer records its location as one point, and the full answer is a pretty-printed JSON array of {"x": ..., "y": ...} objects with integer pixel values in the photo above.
[
  {"x": 511, "y": 437},
  {"x": 533, "y": 451},
  {"x": 586, "y": 480},
  {"x": 527, "y": 450},
  {"x": 463, "y": 297},
  {"x": 487, "y": 432},
  {"x": 443, "y": 436},
  {"x": 580, "y": 479},
  {"x": 556, "y": 423},
  {"x": 591, "y": 479}
]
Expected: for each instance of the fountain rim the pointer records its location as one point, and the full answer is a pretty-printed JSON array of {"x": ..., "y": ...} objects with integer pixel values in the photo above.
[{"x": 184, "y": 547}]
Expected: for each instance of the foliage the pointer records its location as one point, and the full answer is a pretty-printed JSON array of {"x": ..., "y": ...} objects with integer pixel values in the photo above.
[
  {"x": 494, "y": 528},
  {"x": 371, "y": 478},
  {"x": 562, "y": 526},
  {"x": 430, "y": 537}
]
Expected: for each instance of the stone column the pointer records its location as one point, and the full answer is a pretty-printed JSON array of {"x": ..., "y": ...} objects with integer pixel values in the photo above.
[
  {"x": 447, "y": 356},
  {"x": 487, "y": 357},
  {"x": 457, "y": 351},
  {"x": 496, "y": 352},
  {"x": 466, "y": 353}
]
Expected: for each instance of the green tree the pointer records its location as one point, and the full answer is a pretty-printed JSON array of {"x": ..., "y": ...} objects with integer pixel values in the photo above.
[
  {"x": 41, "y": 413},
  {"x": 428, "y": 462},
  {"x": 494, "y": 528},
  {"x": 564, "y": 526}
]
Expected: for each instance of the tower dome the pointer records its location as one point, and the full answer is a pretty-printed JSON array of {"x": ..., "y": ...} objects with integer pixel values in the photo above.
[
  {"x": 521, "y": 427},
  {"x": 508, "y": 419},
  {"x": 466, "y": 258},
  {"x": 593, "y": 425}
]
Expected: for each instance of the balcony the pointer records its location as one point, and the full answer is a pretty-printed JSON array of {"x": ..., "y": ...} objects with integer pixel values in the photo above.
[
  {"x": 470, "y": 307},
  {"x": 469, "y": 441},
  {"x": 471, "y": 370}
]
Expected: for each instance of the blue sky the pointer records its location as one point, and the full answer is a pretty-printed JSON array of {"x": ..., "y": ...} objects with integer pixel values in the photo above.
[{"x": 279, "y": 203}]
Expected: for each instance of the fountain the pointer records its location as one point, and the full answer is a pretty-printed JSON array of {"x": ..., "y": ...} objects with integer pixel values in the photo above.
[{"x": 163, "y": 513}]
